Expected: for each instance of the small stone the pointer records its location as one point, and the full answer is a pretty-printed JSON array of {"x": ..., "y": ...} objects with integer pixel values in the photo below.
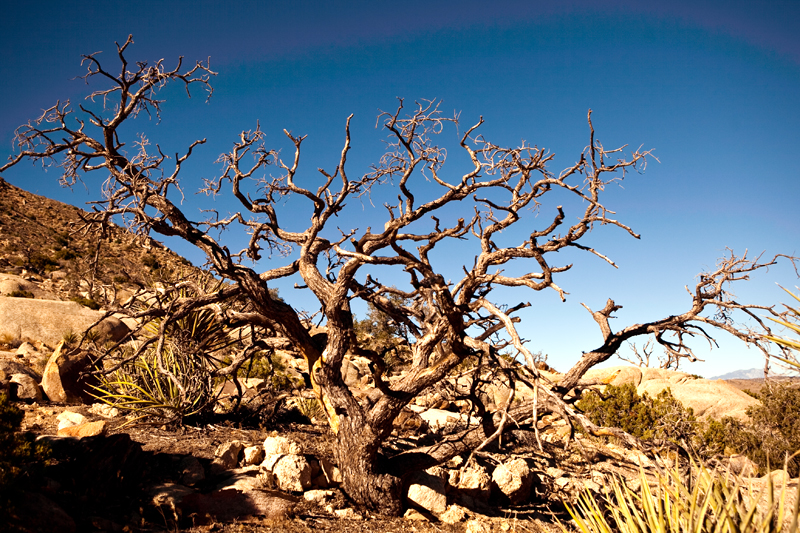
[
  {"x": 413, "y": 514},
  {"x": 104, "y": 410},
  {"x": 455, "y": 462},
  {"x": 253, "y": 455},
  {"x": 318, "y": 496},
  {"x": 89, "y": 429},
  {"x": 191, "y": 470},
  {"x": 280, "y": 445},
  {"x": 562, "y": 482},
  {"x": 554, "y": 473},
  {"x": 227, "y": 455},
  {"x": 347, "y": 514},
  {"x": 588, "y": 484},
  {"x": 70, "y": 418},
  {"x": 476, "y": 526},
  {"x": 453, "y": 515}
]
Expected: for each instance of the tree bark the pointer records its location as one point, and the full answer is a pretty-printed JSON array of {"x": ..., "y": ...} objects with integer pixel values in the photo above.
[{"x": 364, "y": 477}]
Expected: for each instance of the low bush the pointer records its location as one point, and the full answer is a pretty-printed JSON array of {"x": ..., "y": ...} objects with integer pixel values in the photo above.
[
  {"x": 21, "y": 294},
  {"x": 770, "y": 436},
  {"x": 65, "y": 254},
  {"x": 662, "y": 417},
  {"x": 86, "y": 302},
  {"x": 773, "y": 433},
  {"x": 21, "y": 457},
  {"x": 42, "y": 263}
]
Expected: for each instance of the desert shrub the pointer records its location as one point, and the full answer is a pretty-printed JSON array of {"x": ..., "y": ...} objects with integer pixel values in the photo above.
[
  {"x": 121, "y": 279},
  {"x": 86, "y": 302},
  {"x": 21, "y": 294},
  {"x": 770, "y": 436},
  {"x": 269, "y": 367},
  {"x": 662, "y": 417},
  {"x": 65, "y": 254},
  {"x": 773, "y": 432},
  {"x": 705, "y": 500},
  {"x": 10, "y": 341},
  {"x": 62, "y": 239},
  {"x": 21, "y": 457},
  {"x": 150, "y": 262},
  {"x": 42, "y": 263}
]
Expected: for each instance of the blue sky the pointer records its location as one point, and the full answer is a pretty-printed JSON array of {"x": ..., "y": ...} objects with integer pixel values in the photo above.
[{"x": 712, "y": 87}]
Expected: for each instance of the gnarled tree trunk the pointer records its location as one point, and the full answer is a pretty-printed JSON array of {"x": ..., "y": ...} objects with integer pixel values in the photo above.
[{"x": 364, "y": 477}]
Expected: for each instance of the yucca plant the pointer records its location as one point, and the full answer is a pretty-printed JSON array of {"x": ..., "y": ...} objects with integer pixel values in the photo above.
[
  {"x": 792, "y": 321},
  {"x": 184, "y": 388},
  {"x": 704, "y": 501},
  {"x": 174, "y": 377}
]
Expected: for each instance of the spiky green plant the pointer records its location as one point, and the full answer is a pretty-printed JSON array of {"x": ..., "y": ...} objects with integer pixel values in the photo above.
[
  {"x": 309, "y": 408},
  {"x": 705, "y": 501},
  {"x": 175, "y": 376},
  {"x": 792, "y": 321},
  {"x": 183, "y": 388}
]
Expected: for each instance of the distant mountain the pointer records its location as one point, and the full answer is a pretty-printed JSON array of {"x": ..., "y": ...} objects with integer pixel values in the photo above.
[{"x": 753, "y": 373}]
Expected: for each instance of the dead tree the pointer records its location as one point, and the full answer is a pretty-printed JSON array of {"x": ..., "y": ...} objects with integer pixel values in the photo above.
[{"x": 447, "y": 322}]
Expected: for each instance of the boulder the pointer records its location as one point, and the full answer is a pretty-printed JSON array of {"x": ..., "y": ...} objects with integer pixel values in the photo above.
[
  {"x": 616, "y": 375},
  {"x": 226, "y": 455},
  {"x": 49, "y": 320},
  {"x": 62, "y": 380},
  {"x": 707, "y": 398},
  {"x": 111, "y": 329},
  {"x": 36, "y": 512},
  {"x": 474, "y": 482},
  {"x": 280, "y": 445},
  {"x": 10, "y": 283},
  {"x": 439, "y": 418},
  {"x": 355, "y": 370},
  {"x": 427, "y": 491},
  {"x": 26, "y": 348},
  {"x": 11, "y": 365},
  {"x": 292, "y": 472},
  {"x": 243, "y": 479},
  {"x": 741, "y": 465},
  {"x": 514, "y": 479},
  {"x": 25, "y": 387},
  {"x": 329, "y": 474}
]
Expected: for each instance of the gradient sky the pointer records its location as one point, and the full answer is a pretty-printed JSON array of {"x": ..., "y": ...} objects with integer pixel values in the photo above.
[{"x": 711, "y": 86}]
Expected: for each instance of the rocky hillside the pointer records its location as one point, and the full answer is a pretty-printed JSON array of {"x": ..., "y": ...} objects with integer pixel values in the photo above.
[{"x": 47, "y": 242}]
